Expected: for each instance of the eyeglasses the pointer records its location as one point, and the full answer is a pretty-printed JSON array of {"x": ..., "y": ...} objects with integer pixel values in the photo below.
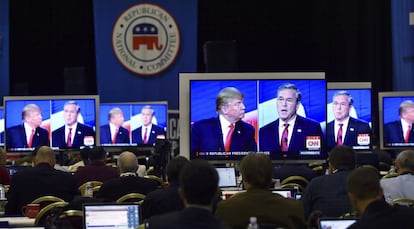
[{"x": 287, "y": 100}]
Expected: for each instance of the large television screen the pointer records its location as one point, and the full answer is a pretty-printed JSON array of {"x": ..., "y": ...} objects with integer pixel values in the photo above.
[
  {"x": 258, "y": 105},
  {"x": 349, "y": 119},
  {"x": 1, "y": 127},
  {"x": 132, "y": 124},
  {"x": 396, "y": 119},
  {"x": 61, "y": 122}
]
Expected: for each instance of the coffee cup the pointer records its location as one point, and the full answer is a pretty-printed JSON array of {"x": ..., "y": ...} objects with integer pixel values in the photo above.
[{"x": 31, "y": 210}]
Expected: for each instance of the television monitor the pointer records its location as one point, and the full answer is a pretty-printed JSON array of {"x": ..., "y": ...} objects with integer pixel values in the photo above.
[
  {"x": 349, "y": 105},
  {"x": 198, "y": 92},
  {"x": 61, "y": 122},
  {"x": 129, "y": 121},
  {"x": 1, "y": 127},
  {"x": 396, "y": 114}
]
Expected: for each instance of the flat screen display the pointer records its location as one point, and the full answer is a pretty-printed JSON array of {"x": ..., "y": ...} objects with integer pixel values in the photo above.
[{"x": 1, "y": 126}]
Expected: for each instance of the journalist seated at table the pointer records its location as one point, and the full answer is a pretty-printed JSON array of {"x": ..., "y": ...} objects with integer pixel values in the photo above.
[{"x": 41, "y": 180}]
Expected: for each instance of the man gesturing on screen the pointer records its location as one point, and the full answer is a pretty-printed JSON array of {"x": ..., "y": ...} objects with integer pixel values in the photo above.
[
  {"x": 400, "y": 131},
  {"x": 345, "y": 130},
  {"x": 29, "y": 134},
  {"x": 227, "y": 132},
  {"x": 290, "y": 132},
  {"x": 73, "y": 133}
]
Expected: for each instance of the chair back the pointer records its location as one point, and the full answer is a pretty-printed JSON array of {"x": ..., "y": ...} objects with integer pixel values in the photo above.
[
  {"x": 297, "y": 180},
  {"x": 43, "y": 201},
  {"x": 46, "y": 213},
  {"x": 131, "y": 197},
  {"x": 73, "y": 217},
  {"x": 403, "y": 201},
  {"x": 296, "y": 186},
  {"x": 159, "y": 180},
  {"x": 95, "y": 186}
]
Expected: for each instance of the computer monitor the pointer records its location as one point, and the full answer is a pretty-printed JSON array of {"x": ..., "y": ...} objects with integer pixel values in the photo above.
[
  {"x": 111, "y": 215},
  {"x": 227, "y": 177}
]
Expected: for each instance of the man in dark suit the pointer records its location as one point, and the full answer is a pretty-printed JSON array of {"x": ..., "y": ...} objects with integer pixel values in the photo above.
[
  {"x": 72, "y": 134},
  {"x": 289, "y": 133},
  {"x": 198, "y": 195},
  {"x": 148, "y": 132},
  {"x": 367, "y": 197},
  {"x": 41, "y": 180},
  {"x": 114, "y": 133},
  {"x": 327, "y": 193},
  {"x": 29, "y": 134},
  {"x": 227, "y": 132},
  {"x": 345, "y": 130},
  {"x": 401, "y": 131}
]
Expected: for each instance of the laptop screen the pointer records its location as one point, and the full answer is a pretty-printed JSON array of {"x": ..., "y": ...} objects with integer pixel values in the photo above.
[
  {"x": 111, "y": 215},
  {"x": 227, "y": 177},
  {"x": 335, "y": 223},
  {"x": 285, "y": 192}
]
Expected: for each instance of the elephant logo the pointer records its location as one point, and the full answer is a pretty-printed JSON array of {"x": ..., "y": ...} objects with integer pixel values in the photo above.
[{"x": 145, "y": 34}]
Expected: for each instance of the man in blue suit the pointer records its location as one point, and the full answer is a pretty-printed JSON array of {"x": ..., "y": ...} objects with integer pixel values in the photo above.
[
  {"x": 401, "y": 131},
  {"x": 290, "y": 133},
  {"x": 211, "y": 135},
  {"x": 72, "y": 134},
  {"x": 345, "y": 130},
  {"x": 148, "y": 133},
  {"x": 114, "y": 133},
  {"x": 29, "y": 134}
]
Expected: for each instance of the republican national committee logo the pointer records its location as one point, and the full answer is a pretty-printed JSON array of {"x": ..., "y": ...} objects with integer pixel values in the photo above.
[{"x": 146, "y": 39}]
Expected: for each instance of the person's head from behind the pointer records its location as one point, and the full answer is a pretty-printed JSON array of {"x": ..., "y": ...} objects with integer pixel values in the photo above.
[
  {"x": 341, "y": 158},
  {"x": 147, "y": 113},
  {"x": 44, "y": 154},
  {"x": 256, "y": 170},
  {"x": 174, "y": 168},
  {"x": 406, "y": 111},
  {"x": 32, "y": 115},
  {"x": 71, "y": 111},
  {"x": 341, "y": 105},
  {"x": 116, "y": 117},
  {"x": 127, "y": 162},
  {"x": 229, "y": 103},
  {"x": 97, "y": 153},
  {"x": 404, "y": 162},
  {"x": 287, "y": 101},
  {"x": 198, "y": 183},
  {"x": 363, "y": 187}
]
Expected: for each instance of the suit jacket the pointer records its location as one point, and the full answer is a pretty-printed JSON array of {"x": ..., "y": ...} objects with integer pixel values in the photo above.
[
  {"x": 380, "y": 215},
  {"x": 188, "y": 218},
  {"x": 16, "y": 137},
  {"x": 206, "y": 136},
  {"x": 153, "y": 133},
  {"x": 111, "y": 190},
  {"x": 355, "y": 127},
  {"x": 31, "y": 183},
  {"x": 121, "y": 137},
  {"x": 303, "y": 127},
  {"x": 95, "y": 171},
  {"x": 58, "y": 136},
  {"x": 393, "y": 133},
  {"x": 265, "y": 205},
  {"x": 327, "y": 194},
  {"x": 161, "y": 201}
]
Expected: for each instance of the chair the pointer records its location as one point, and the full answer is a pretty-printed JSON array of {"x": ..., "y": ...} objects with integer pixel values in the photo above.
[
  {"x": 403, "y": 201},
  {"x": 390, "y": 175},
  {"x": 46, "y": 200},
  {"x": 94, "y": 184},
  {"x": 159, "y": 181},
  {"x": 73, "y": 217},
  {"x": 296, "y": 186},
  {"x": 349, "y": 215},
  {"x": 131, "y": 197},
  {"x": 48, "y": 212},
  {"x": 297, "y": 180}
]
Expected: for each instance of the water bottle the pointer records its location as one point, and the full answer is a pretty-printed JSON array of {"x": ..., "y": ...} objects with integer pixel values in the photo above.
[
  {"x": 277, "y": 184},
  {"x": 253, "y": 223},
  {"x": 2, "y": 192},
  {"x": 88, "y": 190}
]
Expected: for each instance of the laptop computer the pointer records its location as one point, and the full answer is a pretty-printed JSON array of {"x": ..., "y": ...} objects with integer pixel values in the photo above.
[
  {"x": 227, "y": 177},
  {"x": 285, "y": 192},
  {"x": 335, "y": 223},
  {"x": 111, "y": 215}
]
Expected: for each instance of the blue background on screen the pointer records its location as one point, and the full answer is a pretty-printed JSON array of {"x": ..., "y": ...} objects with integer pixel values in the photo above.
[
  {"x": 14, "y": 109},
  {"x": 362, "y": 101},
  {"x": 105, "y": 108},
  {"x": 87, "y": 109},
  {"x": 390, "y": 107}
]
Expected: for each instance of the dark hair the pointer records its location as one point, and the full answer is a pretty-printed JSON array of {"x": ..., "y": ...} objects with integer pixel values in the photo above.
[
  {"x": 364, "y": 183},
  {"x": 174, "y": 168},
  {"x": 199, "y": 181},
  {"x": 96, "y": 153},
  {"x": 257, "y": 170},
  {"x": 342, "y": 157}
]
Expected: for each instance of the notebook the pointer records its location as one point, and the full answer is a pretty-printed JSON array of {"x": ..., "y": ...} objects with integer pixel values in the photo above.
[
  {"x": 227, "y": 177},
  {"x": 335, "y": 223},
  {"x": 111, "y": 215}
]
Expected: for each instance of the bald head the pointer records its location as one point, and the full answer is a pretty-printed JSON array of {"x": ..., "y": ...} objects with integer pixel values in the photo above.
[
  {"x": 44, "y": 154},
  {"x": 127, "y": 162}
]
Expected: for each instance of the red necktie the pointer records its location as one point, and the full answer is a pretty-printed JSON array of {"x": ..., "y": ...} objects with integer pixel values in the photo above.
[
  {"x": 69, "y": 140},
  {"x": 339, "y": 137},
  {"x": 407, "y": 134},
  {"x": 115, "y": 135},
  {"x": 145, "y": 136},
  {"x": 228, "y": 138},
  {"x": 31, "y": 139},
  {"x": 284, "y": 140}
]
